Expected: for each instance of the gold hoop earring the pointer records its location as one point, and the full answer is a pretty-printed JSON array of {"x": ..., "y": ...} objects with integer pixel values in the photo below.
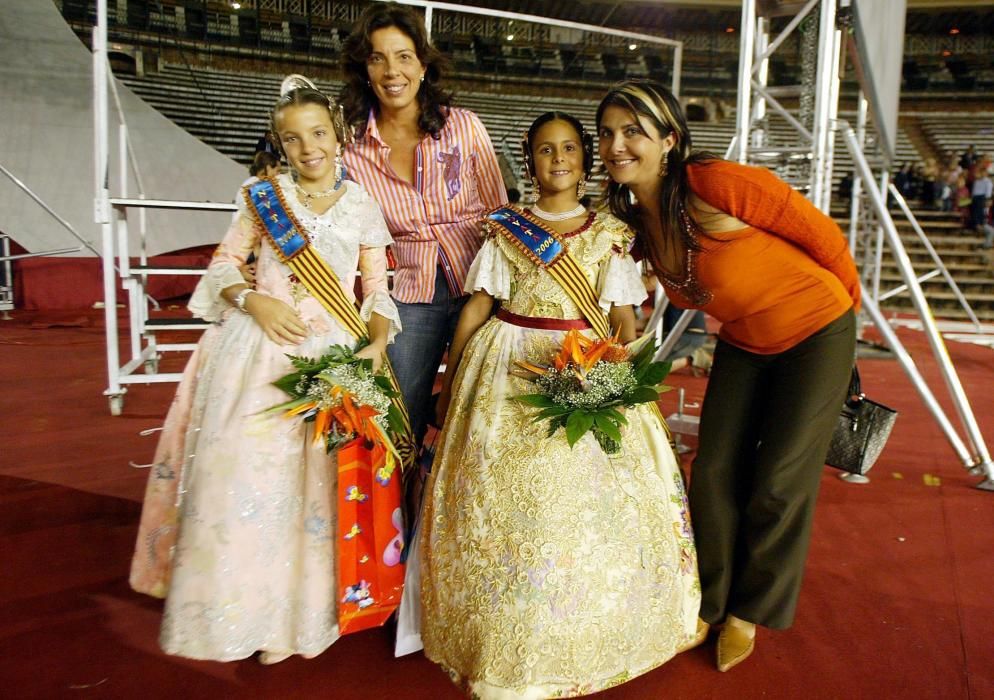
[{"x": 581, "y": 188}]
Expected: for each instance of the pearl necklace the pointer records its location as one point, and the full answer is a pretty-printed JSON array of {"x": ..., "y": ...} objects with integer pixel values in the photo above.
[
  {"x": 561, "y": 216},
  {"x": 308, "y": 196}
]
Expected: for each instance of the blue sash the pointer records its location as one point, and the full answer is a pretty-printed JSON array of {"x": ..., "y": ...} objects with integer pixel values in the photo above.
[
  {"x": 543, "y": 247},
  {"x": 276, "y": 220}
]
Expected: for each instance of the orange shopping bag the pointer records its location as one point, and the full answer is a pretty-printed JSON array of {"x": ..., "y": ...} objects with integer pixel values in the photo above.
[{"x": 370, "y": 537}]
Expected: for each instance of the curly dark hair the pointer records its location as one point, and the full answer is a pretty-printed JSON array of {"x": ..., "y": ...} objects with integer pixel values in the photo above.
[
  {"x": 586, "y": 140},
  {"x": 357, "y": 96}
]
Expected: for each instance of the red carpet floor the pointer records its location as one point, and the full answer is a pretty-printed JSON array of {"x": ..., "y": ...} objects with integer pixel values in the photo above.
[{"x": 897, "y": 600}]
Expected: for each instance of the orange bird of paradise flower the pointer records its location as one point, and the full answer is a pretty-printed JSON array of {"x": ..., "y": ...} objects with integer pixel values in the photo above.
[
  {"x": 581, "y": 353},
  {"x": 352, "y": 417}
]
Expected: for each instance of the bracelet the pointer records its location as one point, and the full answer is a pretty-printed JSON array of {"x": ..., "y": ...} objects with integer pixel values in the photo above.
[{"x": 240, "y": 298}]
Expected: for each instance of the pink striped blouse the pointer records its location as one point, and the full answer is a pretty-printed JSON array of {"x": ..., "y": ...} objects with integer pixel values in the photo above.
[{"x": 436, "y": 221}]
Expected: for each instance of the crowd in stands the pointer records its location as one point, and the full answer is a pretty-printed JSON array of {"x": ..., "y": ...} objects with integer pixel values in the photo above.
[{"x": 963, "y": 185}]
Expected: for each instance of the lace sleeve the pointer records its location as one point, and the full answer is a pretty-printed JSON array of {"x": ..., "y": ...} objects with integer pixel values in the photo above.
[
  {"x": 375, "y": 294},
  {"x": 239, "y": 242},
  {"x": 374, "y": 226},
  {"x": 490, "y": 272},
  {"x": 620, "y": 283}
]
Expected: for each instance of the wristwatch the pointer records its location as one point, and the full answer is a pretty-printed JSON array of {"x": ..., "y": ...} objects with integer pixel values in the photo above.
[{"x": 241, "y": 297}]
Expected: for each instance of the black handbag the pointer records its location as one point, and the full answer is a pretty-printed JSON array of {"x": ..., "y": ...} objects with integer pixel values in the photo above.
[{"x": 861, "y": 431}]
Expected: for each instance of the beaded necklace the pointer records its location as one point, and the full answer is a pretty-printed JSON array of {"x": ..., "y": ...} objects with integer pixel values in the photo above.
[{"x": 687, "y": 285}]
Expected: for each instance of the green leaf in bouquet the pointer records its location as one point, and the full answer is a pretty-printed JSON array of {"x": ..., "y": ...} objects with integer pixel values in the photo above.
[
  {"x": 537, "y": 400},
  {"x": 307, "y": 365},
  {"x": 384, "y": 383},
  {"x": 578, "y": 423},
  {"x": 552, "y": 412},
  {"x": 395, "y": 421},
  {"x": 653, "y": 373},
  {"x": 642, "y": 351},
  {"x": 641, "y": 394},
  {"x": 292, "y": 403},
  {"x": 617, "y": 416},
  {"x": 556, "y": 423},
  {"x": 288, "y": 383},
  {"x": 607, "y": 426}
]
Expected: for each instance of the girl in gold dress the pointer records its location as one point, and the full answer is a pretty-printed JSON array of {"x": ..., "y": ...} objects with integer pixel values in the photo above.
[{"x": 549, "y": 571}]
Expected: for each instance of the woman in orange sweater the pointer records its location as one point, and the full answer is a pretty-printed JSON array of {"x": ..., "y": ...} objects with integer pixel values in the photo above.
[{"x": 745, "y": 247}]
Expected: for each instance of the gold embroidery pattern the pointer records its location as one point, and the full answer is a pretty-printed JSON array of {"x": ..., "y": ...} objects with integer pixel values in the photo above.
[{"x": 550, "y": 571}]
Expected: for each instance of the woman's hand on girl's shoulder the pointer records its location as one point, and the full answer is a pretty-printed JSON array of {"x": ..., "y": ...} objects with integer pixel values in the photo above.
[{"x": 278, "y": 320}]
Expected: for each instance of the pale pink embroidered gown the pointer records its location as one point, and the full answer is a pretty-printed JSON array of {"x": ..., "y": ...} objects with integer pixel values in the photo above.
[{"x": 237, "y": 531}]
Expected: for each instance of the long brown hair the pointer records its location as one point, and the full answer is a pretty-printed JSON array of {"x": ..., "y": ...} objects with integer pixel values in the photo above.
[
  {"x": 649, "y": 99},
  {"x": 357, "y": 96}
]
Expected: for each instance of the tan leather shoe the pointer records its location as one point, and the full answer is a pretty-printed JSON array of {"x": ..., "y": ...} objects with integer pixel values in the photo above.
[
  {"x": 734, "y": 647},
  {"x": 700, "y": 635}
]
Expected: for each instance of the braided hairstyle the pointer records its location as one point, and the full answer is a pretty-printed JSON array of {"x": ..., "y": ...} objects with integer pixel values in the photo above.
[
  {"x": 297, "y": 91},
  {"x": 586, "y": 141}
]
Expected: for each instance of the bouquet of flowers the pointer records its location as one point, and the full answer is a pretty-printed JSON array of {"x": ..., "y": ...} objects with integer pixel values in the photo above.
[
  {"x": 589, "y": 380},
  {"x": 344, "y": 399}
]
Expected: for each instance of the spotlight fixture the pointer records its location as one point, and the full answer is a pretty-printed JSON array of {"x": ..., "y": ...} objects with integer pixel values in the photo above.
[
  {"x": 236, "y": 6},
  {"x": 510, "y": 37},
  {"x": 632, "y": 47},
  {"x": 729, "y": 30},
  {"x": 954, "y": 31}
]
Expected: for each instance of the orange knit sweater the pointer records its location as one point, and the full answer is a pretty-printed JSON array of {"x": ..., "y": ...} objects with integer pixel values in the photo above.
[{"x": 783, "y": 277}]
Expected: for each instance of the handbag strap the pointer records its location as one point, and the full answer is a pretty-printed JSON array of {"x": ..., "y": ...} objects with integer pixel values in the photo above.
[{"x": 855, "y": 393}]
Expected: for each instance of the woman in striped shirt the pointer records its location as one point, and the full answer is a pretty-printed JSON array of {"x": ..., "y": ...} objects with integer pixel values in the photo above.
[{"x": 435, "y": 175}]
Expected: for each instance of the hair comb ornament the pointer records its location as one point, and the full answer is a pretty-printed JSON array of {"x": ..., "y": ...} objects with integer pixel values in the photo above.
[{"x": 295, "y": 81}]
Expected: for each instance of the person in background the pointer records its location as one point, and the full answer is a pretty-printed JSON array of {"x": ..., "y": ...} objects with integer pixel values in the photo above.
[
  {"x": 980, "y": 201},
  {"x": 265, "y": 164},
  {"x": 433, "y": 170},
  {"x": 742, "y": 245}
]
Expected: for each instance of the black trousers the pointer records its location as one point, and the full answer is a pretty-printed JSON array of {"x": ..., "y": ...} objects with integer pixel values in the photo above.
[{"x": 765, "y": 428}]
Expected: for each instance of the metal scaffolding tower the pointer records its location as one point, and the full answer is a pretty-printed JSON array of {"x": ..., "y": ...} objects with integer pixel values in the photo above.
[{"x": 814, "y": 151}]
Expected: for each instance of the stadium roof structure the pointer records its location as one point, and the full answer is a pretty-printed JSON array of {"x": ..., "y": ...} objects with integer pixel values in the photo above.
[{"x": 664, "y": 16}]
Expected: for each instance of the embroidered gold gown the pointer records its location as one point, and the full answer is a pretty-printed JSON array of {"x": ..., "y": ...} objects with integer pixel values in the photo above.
[{"x": 549, "y": 571}]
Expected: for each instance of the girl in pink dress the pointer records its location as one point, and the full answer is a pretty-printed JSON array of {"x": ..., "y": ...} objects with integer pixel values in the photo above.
[{"x": 237, "y": 531}]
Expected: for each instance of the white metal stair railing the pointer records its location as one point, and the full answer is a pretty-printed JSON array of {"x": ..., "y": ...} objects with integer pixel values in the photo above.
[
  {"x": 112, "y": 214},
  {"x": 976, "y": 458},
  {"x": 754, "y": 54},
  {"x": 940, "y": 267},
  {"x": 144, "y": 346}
]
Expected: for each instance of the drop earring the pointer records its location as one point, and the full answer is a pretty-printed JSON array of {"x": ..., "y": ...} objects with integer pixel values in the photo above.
[
  {"x": 581, "y": 188},
  {"x": 339, "y": 168},
  {"x": 663, "y": 163},
  {"x": 536, "y": 187}
]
